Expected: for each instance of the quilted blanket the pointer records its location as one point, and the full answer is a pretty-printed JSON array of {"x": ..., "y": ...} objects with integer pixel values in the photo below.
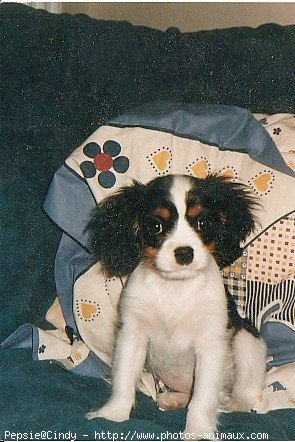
[{"x": 155, "y": 140}]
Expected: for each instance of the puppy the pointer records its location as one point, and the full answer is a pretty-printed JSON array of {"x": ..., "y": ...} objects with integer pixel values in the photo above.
[{"x": 171, "y": 237}]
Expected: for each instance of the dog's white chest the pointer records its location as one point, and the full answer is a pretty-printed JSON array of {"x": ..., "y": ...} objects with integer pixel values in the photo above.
[
  {"x": 171, "y": 358},
  {"x": 166, "y": 310},
  {"x": 174, "y": 316}
]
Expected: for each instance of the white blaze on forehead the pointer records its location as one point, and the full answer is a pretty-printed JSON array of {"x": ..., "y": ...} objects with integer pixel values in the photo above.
[
  {"x": 180, "y": 187},
  {"x": 182, "y": 235}
]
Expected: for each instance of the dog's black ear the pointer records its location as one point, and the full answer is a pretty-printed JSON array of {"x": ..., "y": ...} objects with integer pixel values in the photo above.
[
  {"x": 114, "y": 234},
  {"x": 234, "y": 203}
]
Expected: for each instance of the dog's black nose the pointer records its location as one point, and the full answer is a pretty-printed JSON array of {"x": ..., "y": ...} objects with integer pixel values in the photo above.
[{"x": 184, "y": 255}]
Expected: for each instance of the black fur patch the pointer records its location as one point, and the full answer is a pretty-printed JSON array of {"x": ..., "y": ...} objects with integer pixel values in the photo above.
[
  {"x": 123, "y": 223},
  {"x": 235, "y": 321},
  {"x": 227, "y": 219}
]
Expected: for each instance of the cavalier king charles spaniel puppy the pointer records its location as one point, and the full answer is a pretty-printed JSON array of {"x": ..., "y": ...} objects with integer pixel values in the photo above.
[{"x": 171, "y": 237}]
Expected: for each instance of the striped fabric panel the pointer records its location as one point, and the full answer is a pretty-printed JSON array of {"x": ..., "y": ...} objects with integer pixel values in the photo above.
[{"x": 260, "y": 295}]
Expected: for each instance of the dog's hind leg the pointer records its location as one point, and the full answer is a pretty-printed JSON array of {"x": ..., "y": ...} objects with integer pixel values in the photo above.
[
  {"x": 249, "y": 358},
  {"x": 172, "y": 400}
]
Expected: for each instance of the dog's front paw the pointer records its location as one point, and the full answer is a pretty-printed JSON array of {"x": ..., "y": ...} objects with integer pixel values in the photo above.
[{"x": 117, "y": 412}]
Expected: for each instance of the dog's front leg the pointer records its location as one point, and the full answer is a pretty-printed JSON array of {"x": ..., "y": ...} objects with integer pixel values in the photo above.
[
  {"x": 209, "y": 381},
  {"x": 130, "y": 355}
]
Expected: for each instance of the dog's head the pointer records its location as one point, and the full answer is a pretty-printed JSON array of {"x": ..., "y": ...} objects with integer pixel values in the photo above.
[{"x": 174, "y": 224}]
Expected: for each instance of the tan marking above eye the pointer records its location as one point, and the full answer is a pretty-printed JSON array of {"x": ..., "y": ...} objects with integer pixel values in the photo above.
[
  {"x": 195, "y": 211},
  {"x": 162, "y": 212}
]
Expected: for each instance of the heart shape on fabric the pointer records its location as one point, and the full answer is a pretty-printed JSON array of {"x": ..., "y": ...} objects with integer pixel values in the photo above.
[
  {"x": 263, "y": 182},
  {"x": 88, "y": 310},
  {"x": 200, "y": 169},
  {"x": 228, "y": 172},
  {"x": 161, "y": 159}
]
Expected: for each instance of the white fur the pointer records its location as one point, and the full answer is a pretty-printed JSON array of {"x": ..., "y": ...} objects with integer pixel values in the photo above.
[
  {"x": 174, "y": 320},
  {"x": 249, "y": 355}
]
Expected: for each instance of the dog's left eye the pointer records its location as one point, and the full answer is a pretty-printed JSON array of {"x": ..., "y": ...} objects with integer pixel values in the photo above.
[
  {"x": 200, "y": 225},
  {"x": 158, "y": 228}
]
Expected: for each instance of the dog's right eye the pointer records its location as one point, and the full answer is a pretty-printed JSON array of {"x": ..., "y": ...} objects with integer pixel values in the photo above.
[{"x": 155, "y": 227}]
